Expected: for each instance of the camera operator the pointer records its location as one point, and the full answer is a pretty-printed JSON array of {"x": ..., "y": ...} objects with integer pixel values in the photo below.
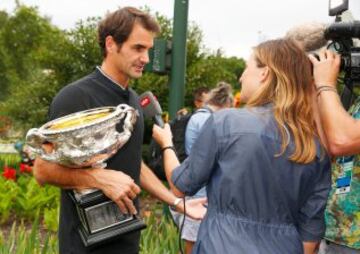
[{"x": 342, "y": 130}]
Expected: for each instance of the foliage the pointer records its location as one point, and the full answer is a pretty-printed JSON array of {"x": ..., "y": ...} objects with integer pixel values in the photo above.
[
  {"x": 40, "y": 69},
  {"x": 211, "y": 70},
  {"x": 10, "y": 160},
  {"x": 30, "y": 99},
  {"x": 76, "y": 53},
  {"x": 24, "y": 241},
  {"x": 35, "y": 198},
  {"x": 4, "y": 82},
  {"x": 160, "y": 236},
  {"x": 23, "y": 35},
  {"x": 24, "y": 198}
]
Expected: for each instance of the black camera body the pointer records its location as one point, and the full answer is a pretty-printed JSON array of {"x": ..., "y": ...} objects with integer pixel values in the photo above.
[{"x": 342, "y": 35}]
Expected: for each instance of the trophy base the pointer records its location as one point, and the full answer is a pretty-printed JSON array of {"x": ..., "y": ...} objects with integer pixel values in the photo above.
[
  {"x": 101, "y": 220},
  {"x": 109, "y": 234}
]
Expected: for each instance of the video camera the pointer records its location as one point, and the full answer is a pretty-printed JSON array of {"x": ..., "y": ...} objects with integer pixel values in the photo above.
[{"x": 342, "y": 34}]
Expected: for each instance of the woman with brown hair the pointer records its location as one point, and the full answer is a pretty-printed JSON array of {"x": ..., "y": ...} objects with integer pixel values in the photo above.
[{"x": 267, "y": 176}]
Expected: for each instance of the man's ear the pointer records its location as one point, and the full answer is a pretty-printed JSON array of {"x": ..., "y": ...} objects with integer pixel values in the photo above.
[
  {"x": 110, "y": 44},
  {"x": 265, "y": 73}
]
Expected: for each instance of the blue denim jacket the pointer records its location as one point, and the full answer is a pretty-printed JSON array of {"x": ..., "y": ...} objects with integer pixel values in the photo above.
[{"x": 258, "y": 202}]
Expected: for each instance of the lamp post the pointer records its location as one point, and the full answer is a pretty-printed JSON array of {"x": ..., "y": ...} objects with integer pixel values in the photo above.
[{"x": 178, "y": 59}]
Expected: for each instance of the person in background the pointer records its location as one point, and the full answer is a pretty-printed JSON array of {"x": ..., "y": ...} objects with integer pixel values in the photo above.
[
  {"x": 200, "y": 97},
  {"x": 218, "y": 98},
  {"x": 267, "y": 176}
]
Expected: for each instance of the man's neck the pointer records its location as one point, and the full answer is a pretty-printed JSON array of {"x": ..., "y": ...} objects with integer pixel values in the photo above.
[{"x": 109, "y": 71}]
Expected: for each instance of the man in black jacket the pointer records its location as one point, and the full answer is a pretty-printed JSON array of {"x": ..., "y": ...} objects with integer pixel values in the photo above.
[{"x": 125, "y": 36}]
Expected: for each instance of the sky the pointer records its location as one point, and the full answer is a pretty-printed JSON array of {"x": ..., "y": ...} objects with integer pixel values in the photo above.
[{"x": 234, "y": 26}]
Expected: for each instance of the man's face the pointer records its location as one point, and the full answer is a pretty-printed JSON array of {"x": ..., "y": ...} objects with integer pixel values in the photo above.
[
  {"x": 250, "y": 79},
  {"x": 202, "y": 100},
  {"x": 130, "y": 58}
]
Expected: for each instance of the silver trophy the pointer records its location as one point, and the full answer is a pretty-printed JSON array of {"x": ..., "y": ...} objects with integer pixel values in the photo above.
[{"x": 87, "y": 139}]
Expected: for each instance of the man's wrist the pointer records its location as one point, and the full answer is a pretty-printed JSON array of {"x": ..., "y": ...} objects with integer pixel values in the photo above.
[
  {"x": 96, "y": 175},
  {"x": 176, "y": 203}
]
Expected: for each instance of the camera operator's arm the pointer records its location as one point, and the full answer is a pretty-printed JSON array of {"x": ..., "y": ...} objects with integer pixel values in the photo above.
[
  {"x": 342, "y": 131},
  {"x": 317, "y": 118}
]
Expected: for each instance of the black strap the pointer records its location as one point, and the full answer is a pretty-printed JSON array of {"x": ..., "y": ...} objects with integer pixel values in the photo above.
[{"x": 168, "y": 147}]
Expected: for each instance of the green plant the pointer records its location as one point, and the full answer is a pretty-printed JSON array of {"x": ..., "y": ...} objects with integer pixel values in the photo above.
[
  {"x": 33, "y": 198},
  {"x": 8, "y": 192},
  {"x": 24, "y": 241},
  {"x": 51, "y": 219},
  {"x": 23, "y": 197},
  {"x": 10, "y": 160},
  {"x": 160, "y": 236}
]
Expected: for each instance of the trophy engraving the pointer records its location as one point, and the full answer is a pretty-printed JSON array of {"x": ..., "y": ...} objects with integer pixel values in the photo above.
[{"x": 87, "y": 139}]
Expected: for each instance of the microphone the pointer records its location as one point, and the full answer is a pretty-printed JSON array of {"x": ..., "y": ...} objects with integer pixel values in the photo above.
[
  {"x": 310, "y": 36},
  {"x": 151, "y": 107}
]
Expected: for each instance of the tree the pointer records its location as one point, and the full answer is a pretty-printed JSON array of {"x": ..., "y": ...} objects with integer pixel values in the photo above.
[
  {"x": 52, "y": 59},
  {"x": 30, "y": 99},
  {"x": 4, "y": 80},
  {"x": 23, "y": 36}
]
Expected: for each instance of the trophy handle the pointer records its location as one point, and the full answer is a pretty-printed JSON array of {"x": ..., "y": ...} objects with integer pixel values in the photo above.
[
  {"x": 130, "y": 118},
  {"x": 35, "y": 140},
  {"x": 130, "y": 115}
]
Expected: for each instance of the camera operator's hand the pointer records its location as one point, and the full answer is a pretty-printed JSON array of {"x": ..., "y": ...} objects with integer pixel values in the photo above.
[{"x": 326, "y": 68}]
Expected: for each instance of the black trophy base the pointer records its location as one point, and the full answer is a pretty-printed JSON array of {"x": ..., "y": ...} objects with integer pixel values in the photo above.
[
  {"x": 109, "y": 234},
  {"x": 101, "y": 220}
]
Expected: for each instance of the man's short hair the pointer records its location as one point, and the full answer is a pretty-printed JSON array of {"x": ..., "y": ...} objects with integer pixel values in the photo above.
[
  {"x": 198, "y": 93},
  {"x": 119, "y": 24}
]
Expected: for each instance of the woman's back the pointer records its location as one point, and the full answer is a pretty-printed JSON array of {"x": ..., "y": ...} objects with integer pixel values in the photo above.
[
  {"x": 267, "y": 181},
  {"x": 258, "y": 202}
]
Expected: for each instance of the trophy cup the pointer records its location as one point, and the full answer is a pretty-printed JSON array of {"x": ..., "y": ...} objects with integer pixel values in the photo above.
[{"x": 87, "y": 139}]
